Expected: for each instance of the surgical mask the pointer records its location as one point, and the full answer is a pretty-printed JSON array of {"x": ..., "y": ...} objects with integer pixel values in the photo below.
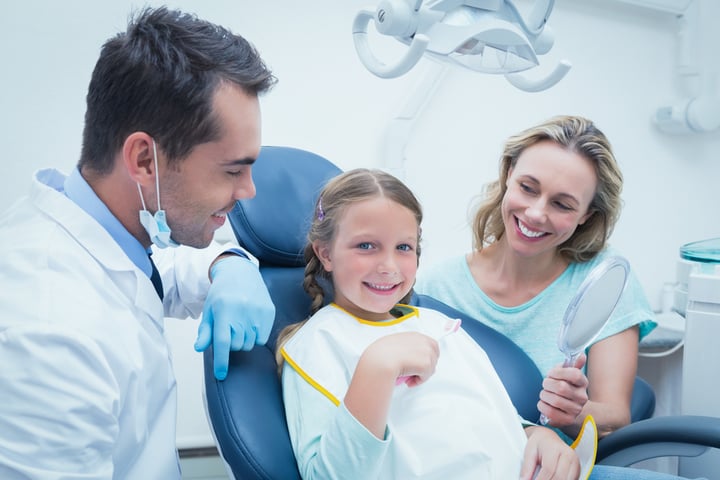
[{"x": 156, "y": 225}]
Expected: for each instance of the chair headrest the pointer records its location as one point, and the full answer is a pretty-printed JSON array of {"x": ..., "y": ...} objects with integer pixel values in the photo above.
[{"x": 273, "y": 226}]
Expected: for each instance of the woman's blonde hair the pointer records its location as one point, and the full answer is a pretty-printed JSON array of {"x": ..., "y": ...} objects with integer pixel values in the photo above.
[
  {"x": 339, "y": 193},
  {"x": 575, "y": 134}
]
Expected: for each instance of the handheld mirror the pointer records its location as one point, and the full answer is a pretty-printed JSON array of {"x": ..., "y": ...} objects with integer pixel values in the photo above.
[{"x": 591, "y": 308}]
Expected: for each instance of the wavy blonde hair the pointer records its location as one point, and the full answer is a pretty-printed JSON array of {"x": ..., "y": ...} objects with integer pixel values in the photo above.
[{"x": 581, "y": 136}]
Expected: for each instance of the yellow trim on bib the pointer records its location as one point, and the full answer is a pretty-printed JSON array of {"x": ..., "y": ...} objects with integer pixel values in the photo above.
[
  {"x": 412, "y": 313},
  {"x": 307, "y": 377}
]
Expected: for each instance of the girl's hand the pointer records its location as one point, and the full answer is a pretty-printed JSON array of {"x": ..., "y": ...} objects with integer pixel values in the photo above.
[
  {"x": 412, "y": 355},
  {"x": 408, "y": 357},
  {"x": 547, "y": 453},
  {"x": 564, "y": 394}
]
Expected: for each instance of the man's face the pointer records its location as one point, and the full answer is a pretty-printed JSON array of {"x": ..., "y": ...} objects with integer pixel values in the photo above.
[{"x": 199, "y": 191}]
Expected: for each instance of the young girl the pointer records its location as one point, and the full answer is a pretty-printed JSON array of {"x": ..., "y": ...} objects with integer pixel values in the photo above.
[{"x": 375, "y": 389}]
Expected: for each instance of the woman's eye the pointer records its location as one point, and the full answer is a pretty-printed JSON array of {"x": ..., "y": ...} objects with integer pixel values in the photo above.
[{"x": 526, "y": 188}]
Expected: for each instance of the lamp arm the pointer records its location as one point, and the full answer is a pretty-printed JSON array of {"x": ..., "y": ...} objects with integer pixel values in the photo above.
[
  {"x": 412, "y": 56},
  {"x": 523, "y": 83},
  {"x": 538, "y": 15}
]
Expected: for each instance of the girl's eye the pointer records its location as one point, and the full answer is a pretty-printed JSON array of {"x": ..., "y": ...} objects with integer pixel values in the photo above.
[
  {"x": 405, "y": 247},
  {"x": 365, "y": 246}
]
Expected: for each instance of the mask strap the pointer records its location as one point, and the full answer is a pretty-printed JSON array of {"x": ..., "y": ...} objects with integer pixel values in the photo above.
[
  {"x": 141, "y": 196},
  {"x": 157, "y": 177},
  {"x": 157, "y": 181}
]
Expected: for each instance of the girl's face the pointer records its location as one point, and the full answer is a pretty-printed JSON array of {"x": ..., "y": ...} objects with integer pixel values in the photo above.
[
  {"x": 549, "y": 191},
  {"x": 373, "y": 257}
]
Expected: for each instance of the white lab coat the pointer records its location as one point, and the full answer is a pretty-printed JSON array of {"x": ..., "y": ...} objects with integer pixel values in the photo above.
[{"x": 86, "y": 382}]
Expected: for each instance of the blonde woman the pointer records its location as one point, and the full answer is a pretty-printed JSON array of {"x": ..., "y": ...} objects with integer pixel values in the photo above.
[{"x": 538, "y": 232}]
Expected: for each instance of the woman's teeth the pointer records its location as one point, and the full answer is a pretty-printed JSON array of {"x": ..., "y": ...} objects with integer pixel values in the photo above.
[{"x": 527, "y": 232}]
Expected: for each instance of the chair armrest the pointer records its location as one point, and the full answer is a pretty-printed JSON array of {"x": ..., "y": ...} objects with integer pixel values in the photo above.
[
  {"x": 642, "y": 406},
  {"x": 678, "y": 435}
]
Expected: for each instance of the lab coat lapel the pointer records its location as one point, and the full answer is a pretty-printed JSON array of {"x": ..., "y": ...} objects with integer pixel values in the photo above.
[{"x": 129, "y": 279}]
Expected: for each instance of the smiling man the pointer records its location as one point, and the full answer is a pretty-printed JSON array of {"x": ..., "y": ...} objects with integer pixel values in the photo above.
[{"x": 172, "y": 130}]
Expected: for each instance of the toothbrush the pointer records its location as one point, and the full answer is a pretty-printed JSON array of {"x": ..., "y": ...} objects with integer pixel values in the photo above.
[{"x": 451, "y": 326}]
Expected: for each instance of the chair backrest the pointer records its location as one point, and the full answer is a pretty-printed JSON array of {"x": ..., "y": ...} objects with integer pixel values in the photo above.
[
  {"x": 246, "y": 410},
  {"x": 518, "y": 372}
]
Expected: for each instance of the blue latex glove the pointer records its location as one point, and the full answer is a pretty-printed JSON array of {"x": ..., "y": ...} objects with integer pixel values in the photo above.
[{"x": 238, "y": 312}]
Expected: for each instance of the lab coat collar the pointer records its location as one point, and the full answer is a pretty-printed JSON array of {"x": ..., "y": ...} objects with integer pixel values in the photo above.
[
  {"x": 81, "y": 193},
  {"x": 48, "y": 194}
]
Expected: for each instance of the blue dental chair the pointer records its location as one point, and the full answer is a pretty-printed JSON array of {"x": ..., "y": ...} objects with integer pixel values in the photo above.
[{"x": 246, "y": 409}]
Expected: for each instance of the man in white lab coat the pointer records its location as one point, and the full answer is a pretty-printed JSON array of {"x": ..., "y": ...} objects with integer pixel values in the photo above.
[{"x": 172, "y": 129}]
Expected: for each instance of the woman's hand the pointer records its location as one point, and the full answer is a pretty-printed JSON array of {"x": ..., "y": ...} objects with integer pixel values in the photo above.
[
  {"x": 564, "y": 394},
  {"x": 547, "y": 453}
]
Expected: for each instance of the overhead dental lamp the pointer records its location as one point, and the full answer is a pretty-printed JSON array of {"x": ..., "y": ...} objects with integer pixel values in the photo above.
[{"x": 488, "y": 36}]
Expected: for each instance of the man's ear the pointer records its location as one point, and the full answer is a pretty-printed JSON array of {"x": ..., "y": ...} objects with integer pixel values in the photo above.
[
  {"x": 137, "y": 156},
  {"x": 322, "y": 252}
]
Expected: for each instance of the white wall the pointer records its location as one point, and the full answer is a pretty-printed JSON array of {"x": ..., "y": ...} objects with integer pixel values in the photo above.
[
  {"x": 623, "y": 57},
  {"x": 624, "y": 68}
]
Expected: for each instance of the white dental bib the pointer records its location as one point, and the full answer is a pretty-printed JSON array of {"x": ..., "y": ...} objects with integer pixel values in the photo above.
[{"x": 459, "y": 424}]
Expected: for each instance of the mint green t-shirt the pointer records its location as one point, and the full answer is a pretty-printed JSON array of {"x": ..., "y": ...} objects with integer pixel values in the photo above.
[{"x": 534, "y": 325}]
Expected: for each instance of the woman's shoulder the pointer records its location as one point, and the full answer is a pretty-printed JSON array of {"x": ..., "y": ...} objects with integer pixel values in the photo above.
[
  {"x": 447, "y": 270},
  {"x": 455, "y": 262}
]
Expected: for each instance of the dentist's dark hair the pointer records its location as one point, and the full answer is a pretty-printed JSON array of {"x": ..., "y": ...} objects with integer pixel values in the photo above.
[
  {"x": 575, "y": 134},
  {"x": 160, "y": 77}
]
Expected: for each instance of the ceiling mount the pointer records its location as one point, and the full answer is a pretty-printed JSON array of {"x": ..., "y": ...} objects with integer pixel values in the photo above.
[{"x": 488, "y": 36}]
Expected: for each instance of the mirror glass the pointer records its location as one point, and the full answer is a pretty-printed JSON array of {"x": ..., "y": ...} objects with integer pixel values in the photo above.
[{"x": 592, "y": 306}]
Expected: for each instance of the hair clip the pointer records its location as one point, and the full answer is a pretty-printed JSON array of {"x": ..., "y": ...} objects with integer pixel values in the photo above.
[{"x": 320, "y": 211}]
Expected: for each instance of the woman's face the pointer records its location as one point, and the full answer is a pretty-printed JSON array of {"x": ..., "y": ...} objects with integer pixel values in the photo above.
[{"x": 548, "y": 194}]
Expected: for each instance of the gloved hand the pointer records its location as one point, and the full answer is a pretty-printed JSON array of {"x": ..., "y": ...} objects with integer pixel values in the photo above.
[{"x": 238, "y": 312}]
